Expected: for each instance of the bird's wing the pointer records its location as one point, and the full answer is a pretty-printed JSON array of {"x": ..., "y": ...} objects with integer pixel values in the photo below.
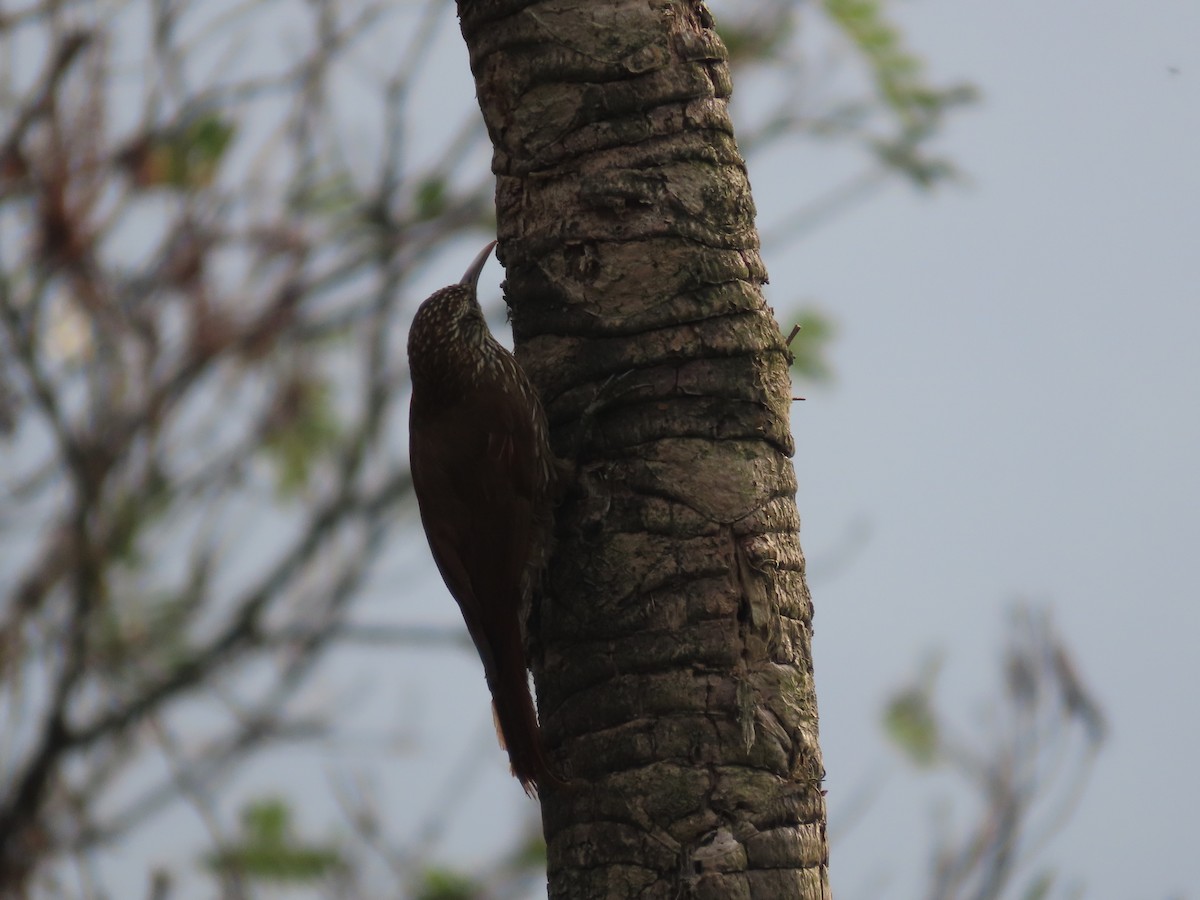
[
  {"x": 471, "y": 464},
  {"x": 477, "y": 505}
]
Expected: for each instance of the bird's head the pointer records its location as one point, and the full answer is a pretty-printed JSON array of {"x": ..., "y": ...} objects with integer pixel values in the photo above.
[{"x": 449, "y": 328}]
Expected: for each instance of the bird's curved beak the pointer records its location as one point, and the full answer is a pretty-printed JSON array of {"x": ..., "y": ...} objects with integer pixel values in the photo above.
[{"x": 471, "y": 278}]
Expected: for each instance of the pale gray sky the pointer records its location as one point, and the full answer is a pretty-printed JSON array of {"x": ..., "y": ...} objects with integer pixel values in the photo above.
[{"x": 1015, "y": 415}]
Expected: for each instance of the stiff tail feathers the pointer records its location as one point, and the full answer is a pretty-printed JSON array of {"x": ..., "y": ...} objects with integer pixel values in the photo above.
[{"x": 518, "y": 730}]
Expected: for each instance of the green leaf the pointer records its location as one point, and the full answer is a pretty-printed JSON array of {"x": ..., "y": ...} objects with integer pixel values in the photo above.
[
  {"x": 205, "y": 141},
  {"x": 302, "y": 427},
  {"x": 910, "y": 720},
  {"x": 445, "y": 884},
  {"x": 898, "y": 76},
  {"x": 266, "y": 821},
  {"x": 185, "y": 156},
  {"x": 895, "y": 70},
  {"x": 756, "y": 41},
  {"x": 809, "y": 346},
  {"x": 1040, "y": 887},
  {"x": 431, "y": 198},
  {"x": 267, "y": 850}
]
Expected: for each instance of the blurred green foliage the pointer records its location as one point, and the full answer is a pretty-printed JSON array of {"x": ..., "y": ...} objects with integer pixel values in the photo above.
[
  {"x": 304, "y": 427},
  {"x": 1040, "y": 887},
  {"x": 431, "y": 198},
  {"x": 900, "y": 83},
  {"x": 446, "y": 884},
  {"x": 810, "y": 344},
  {"x": 268, "y": 851},
  {"x": 910, "y": 720},
  {"x": 186, "y": 157}
]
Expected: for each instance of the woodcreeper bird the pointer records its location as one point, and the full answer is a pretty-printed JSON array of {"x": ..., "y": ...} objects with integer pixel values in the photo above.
[{"x": 484, "y": 476}]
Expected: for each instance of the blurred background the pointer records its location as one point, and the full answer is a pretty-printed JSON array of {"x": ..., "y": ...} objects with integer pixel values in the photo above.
[{"x": 227, "y": 665}]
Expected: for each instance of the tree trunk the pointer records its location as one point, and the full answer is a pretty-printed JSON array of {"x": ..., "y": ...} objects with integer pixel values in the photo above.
[{"x": 673, "y": 641}]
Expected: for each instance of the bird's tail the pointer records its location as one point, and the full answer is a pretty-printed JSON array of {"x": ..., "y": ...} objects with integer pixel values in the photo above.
[{"x": 518, "y": 729}]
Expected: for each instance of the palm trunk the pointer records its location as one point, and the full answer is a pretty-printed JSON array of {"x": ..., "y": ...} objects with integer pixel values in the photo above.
[{"x": 673, "y": 641}]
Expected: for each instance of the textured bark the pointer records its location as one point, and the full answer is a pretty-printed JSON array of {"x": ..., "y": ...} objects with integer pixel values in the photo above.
[{"x": 673, "y": 643}]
